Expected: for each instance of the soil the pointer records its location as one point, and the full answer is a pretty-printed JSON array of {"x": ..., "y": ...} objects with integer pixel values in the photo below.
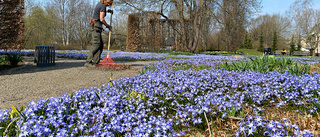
[
  {"x": 27, "y": 82},
  {"x": 7, "y": 66}
]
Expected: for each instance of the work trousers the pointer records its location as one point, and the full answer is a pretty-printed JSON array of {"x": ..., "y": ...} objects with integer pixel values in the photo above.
[{"x": 97, "y": 43}]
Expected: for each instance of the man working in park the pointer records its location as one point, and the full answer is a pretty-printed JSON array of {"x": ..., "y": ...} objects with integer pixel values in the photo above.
[
  {"x": 97, "y": 43},
  {"x": 283, "y": 51}
]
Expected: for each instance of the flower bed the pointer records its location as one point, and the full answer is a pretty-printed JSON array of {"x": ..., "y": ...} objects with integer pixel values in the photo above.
[
  {"x": 117, "y": 56},
  {"x": 171, "y": 98}
]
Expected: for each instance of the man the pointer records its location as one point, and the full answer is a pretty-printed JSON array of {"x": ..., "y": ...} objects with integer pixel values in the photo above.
[
  {"x": 283, "y": 51},
  {"x": 97, "y": 43}
]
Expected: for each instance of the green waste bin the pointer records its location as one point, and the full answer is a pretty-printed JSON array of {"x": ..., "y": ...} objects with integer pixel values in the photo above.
[{"x": 44, "y": 56}]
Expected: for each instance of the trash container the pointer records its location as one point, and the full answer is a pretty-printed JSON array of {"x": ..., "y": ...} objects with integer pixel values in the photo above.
[
  {"x": 267, "y": 51},
  {"x": 44, "y": 56}
]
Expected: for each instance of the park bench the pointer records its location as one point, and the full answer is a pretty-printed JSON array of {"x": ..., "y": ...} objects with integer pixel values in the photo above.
[
  {"x": 279, "y": 52},
  {"x": 301, "y": 53},
  {"x": 295, "y": 53}
]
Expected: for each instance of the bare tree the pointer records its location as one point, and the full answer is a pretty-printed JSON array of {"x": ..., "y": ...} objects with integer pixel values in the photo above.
[
  {"x": 305, "y": 22},
  {"x": 81, "y": 22},
  {"x": 313, "y": 34},
  {"x": 195, "y": 15},
  {"x": 190, "y": 14},
  {"x": 195, "y": 10},
  {"x": 73, "y": 17},
  {"x": 268, "y": 25},
  {"x": 60, "y": 7},
  {"x": 297, "y": 12},
  {"x": 233, "y": 16}
]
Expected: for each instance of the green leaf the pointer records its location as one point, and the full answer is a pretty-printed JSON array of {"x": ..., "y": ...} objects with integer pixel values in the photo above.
[
  {"x": 165, "y": 84},
  {"x": 14, "y": 112},
  {"x": 72, "y": 94},
  {"x": 97, "y": 94},
  {"x": 21, "y": 112},
  {"x": 71, "y": 128},
  {"x": 235, "y": 66},
  {"x": 200, "y": 135}
]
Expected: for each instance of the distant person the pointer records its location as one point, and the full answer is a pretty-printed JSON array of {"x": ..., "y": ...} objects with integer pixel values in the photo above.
[
  {"x": 284, "y": 52},
  {"x": 97, "y": 44}
]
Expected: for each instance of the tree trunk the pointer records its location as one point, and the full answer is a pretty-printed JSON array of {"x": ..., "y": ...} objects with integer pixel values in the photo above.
[
  {"x": 179, "y": 6},
  {"x": 194, "y": 34},
  {"x": 190, "y": 40}
]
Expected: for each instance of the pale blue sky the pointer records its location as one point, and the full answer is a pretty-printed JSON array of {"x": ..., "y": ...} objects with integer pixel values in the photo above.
[
  {"x": 269, "y": 6},
  {"x": 275, "y": 6},
  {"x": 281, "y": 6}
]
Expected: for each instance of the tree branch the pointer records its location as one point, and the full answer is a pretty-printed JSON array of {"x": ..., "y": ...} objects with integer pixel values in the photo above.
[
  {"x": 131, "y": 5},
  {"x": 159, "y": 13},
  {"x": 167, "y": 19}
]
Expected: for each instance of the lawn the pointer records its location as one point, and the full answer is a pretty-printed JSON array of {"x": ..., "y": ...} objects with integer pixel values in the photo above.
[{"x": 250, "y": 52}]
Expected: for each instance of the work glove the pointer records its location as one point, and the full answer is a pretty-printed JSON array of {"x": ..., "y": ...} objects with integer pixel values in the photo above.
[
  {"x": 110, "y": 28},
  {"x": 110, "y": 11}
]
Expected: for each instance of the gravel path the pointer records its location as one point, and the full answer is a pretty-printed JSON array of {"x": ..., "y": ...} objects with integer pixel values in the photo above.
[{"x": 21, "y": 85}]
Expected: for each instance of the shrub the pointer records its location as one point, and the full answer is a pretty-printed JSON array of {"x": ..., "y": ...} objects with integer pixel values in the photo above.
[
  {"x": 14, "y": 59},
  {"x": 3, "y": 60},
  {"x": 265, "y": 64}
]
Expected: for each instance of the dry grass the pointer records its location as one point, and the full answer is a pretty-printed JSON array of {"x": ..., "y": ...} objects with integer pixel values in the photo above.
[
  {"x": 314, "y": 68},
  {"x": 114, "y": 67},
  {"x": 228, "y": 126},
  {"x": 304, "y": 121}
]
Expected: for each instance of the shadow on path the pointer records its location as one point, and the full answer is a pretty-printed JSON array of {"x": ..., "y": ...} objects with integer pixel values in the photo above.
[
  {"x": 60, "y": 63},
  {"x": 31, "y": 67}
]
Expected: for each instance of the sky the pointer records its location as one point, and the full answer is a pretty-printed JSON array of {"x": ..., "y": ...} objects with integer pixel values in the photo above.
[
  {"x": 281, "y": 6},
  {"x": 269, "y": 6},
  {"x": 275, "y": 6}
]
